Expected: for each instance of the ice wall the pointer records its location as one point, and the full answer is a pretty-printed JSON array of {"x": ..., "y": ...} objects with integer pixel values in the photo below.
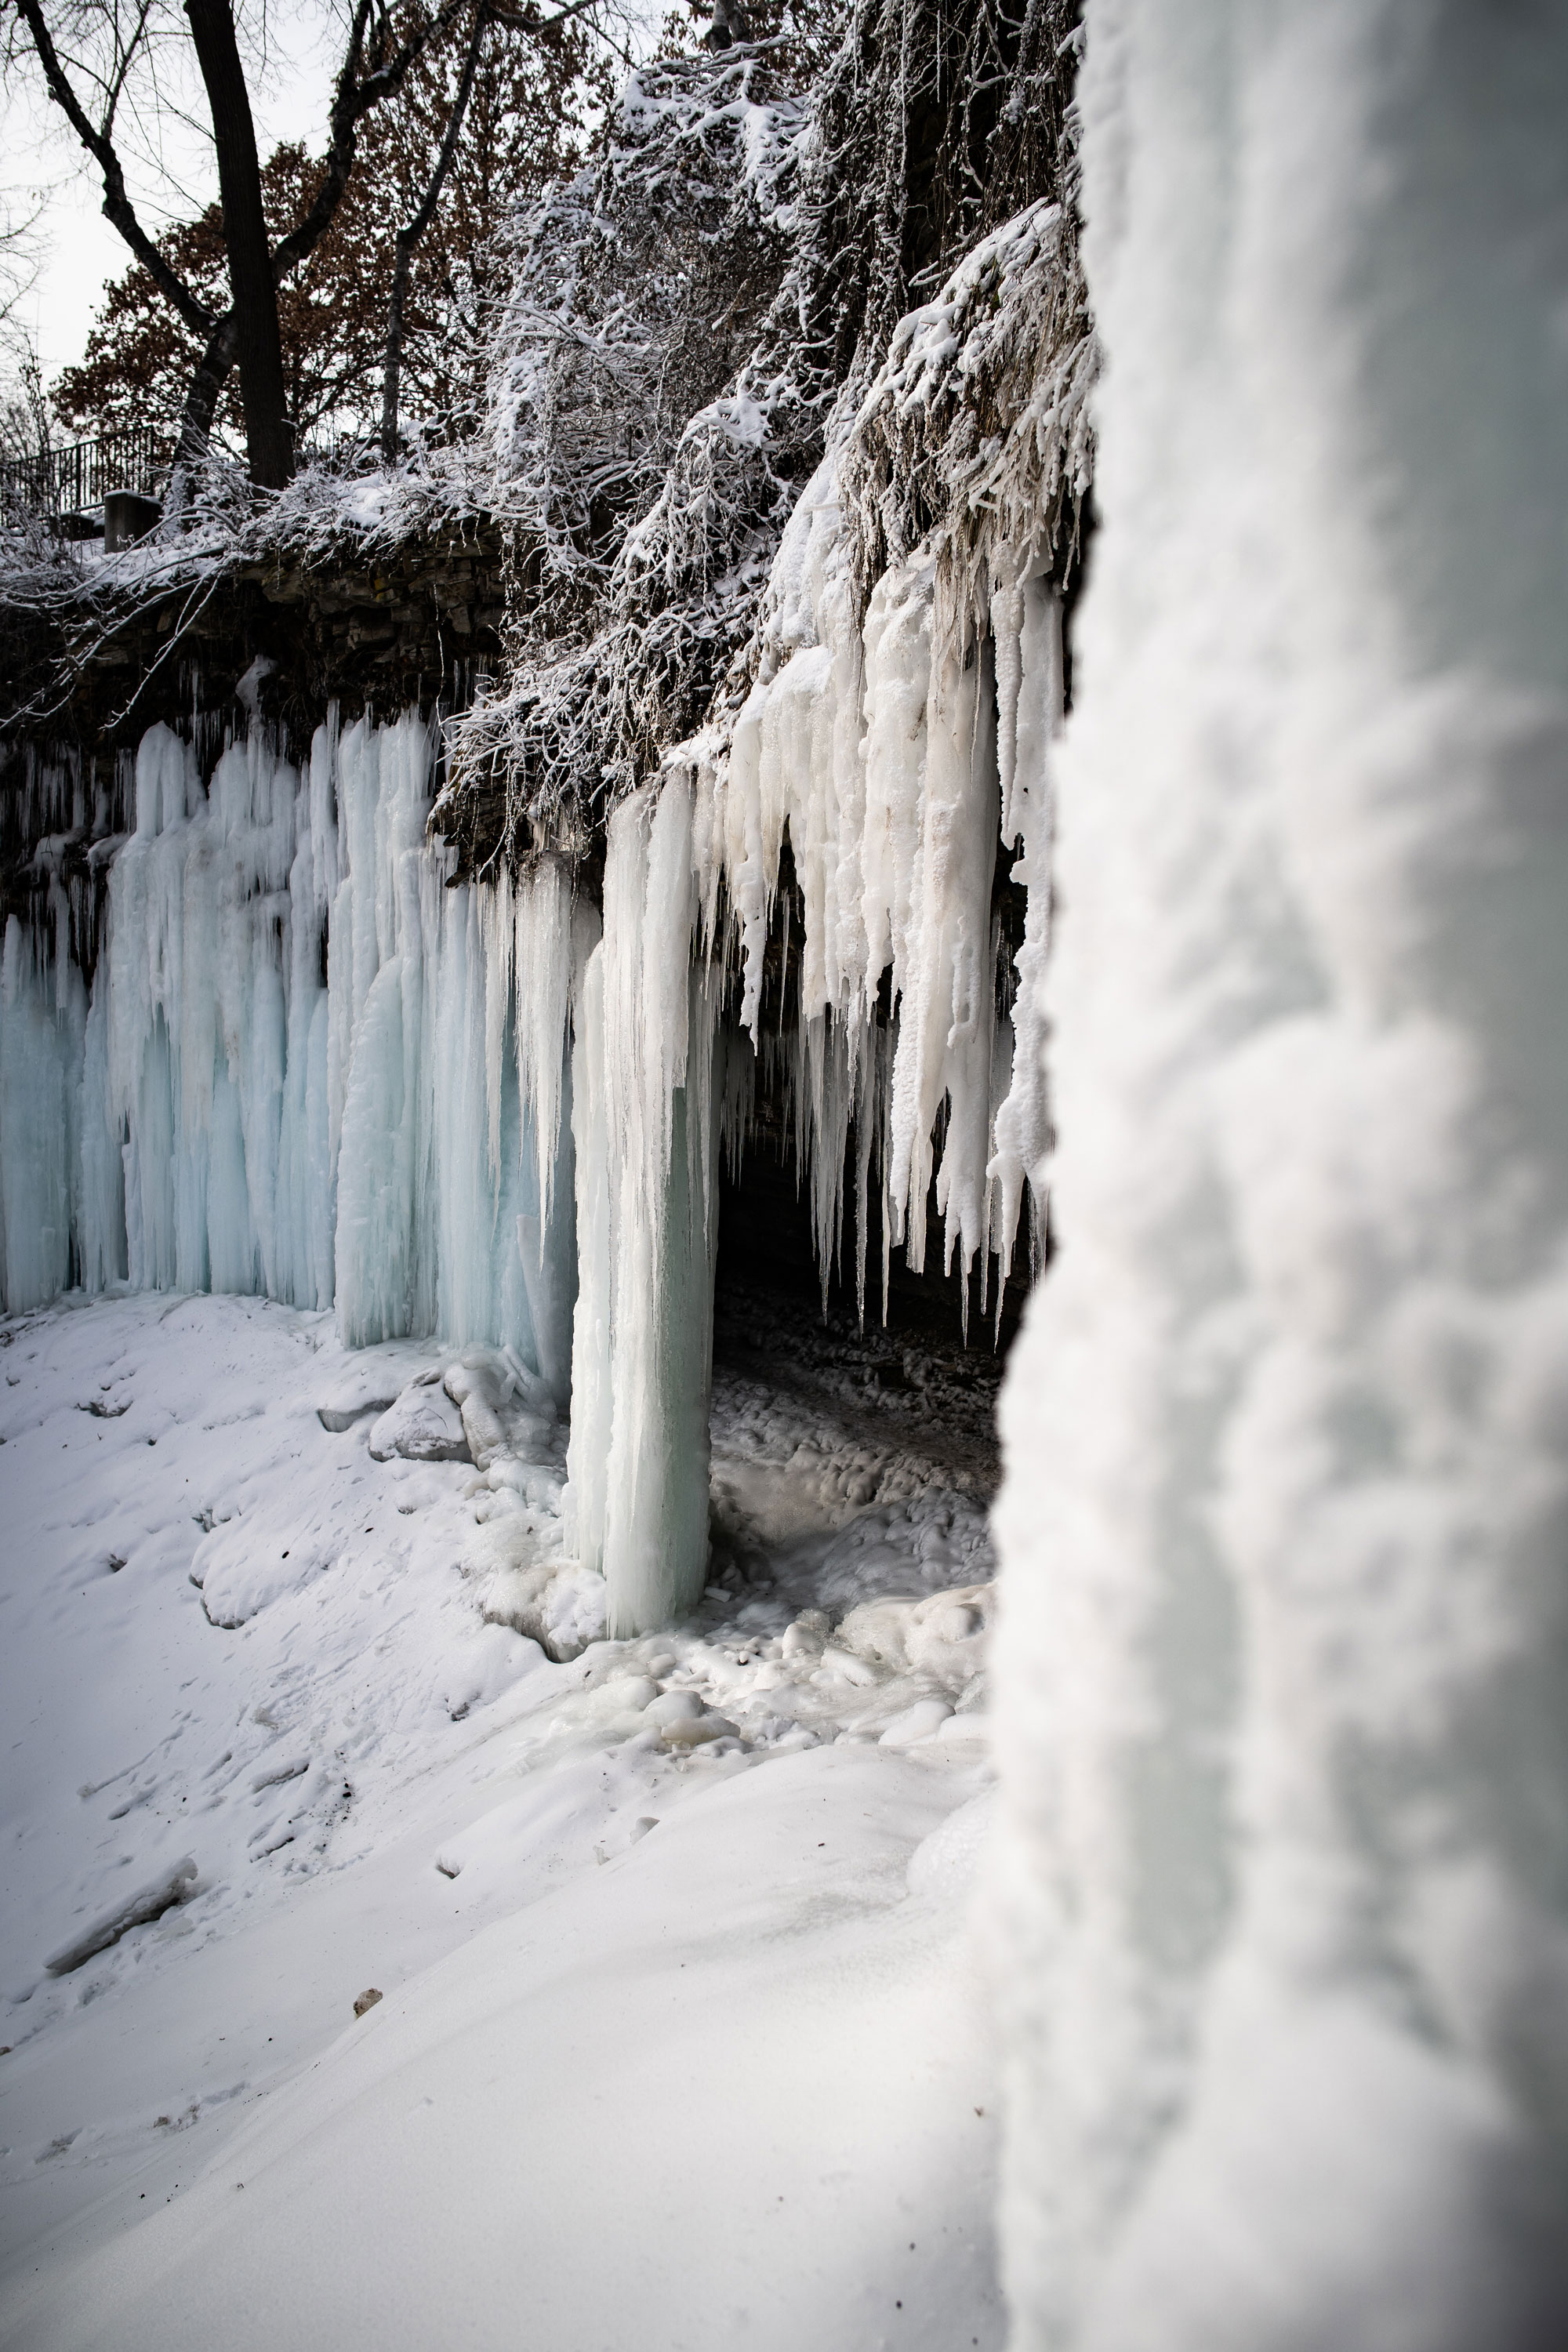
[
  {"x": 307, "y": 1067},
  {"x": 59, "y": 1191},
  {"x": 1284, "y": 1732}
]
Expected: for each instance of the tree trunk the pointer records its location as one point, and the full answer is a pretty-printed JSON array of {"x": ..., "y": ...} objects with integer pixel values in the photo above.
[
  {"x": 201, "y": 407},
  {"x": 258, "y": 343},
  {"x": 391, "y": 378}
]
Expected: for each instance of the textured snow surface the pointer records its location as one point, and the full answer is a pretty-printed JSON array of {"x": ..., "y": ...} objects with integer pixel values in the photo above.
[
  {"x": 1282, "y": 1688},
  {"x": 681, "y": 2033}
]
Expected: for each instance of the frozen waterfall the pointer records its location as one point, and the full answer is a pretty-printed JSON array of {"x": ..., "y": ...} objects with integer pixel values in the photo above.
[
  {"x": 306, "y": 1066},
  {"x": 310, "y": 1065}
]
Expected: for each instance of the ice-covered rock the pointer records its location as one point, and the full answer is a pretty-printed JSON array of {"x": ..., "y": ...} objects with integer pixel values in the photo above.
[
  {"x": 557, "y": 1603},
  {"x": 256, "y": 1557},
  {"x": 504, "y": 1414},
  {"x": 682, "y": 1719},
  {"x": 675, "y": 1707},
  {"x": 916, "y": 1723},
  {"x": 367, "y": 1383},
  {"x": 807, "y": 1636},
  {"x": 423, "y": 1425},
  {"x": 351, "y": 1403}
]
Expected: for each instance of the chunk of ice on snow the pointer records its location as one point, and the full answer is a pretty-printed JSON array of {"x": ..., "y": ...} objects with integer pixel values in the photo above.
[
  {"x": 675, "y": 1707},
  {"x": 371, "y": 1388}
]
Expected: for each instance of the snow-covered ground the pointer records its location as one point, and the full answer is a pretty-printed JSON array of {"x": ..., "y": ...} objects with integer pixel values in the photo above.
[{"x": 681, "y": 2039}]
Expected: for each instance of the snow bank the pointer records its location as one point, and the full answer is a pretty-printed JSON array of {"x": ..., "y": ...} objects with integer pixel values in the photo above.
[
  {"x": 673, "y": 1929},
  {"x": 1283, "y": 1526},
  {"x": 777, "y": 2086}
]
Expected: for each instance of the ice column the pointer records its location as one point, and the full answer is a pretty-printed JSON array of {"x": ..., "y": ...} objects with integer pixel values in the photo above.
[
  {"x": 1284, "y": 1677},
  {"x": 643, "y": 1068},
  {"x": 197, "y": 958}
]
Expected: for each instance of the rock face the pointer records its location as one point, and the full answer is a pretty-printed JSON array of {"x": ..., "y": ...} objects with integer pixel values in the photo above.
[{"x": 365, "y": 623}]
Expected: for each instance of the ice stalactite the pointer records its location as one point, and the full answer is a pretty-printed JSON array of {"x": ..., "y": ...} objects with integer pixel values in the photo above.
[
  {"x": 384, "y": 920},
  {"x": 538, "y": 937},
  {"x": 646, "y": 1124},
  {"x": 1027, "y": 630},
  {"x": 1284, "y": 1681},
  {"x": 876, "y": 746},
  {"x": 307, "y": 1067},
  {"x": 907, "y": 684}
]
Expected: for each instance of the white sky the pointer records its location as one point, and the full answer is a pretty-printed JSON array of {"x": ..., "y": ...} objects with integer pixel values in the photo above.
[{"x": 291, "y": 58}]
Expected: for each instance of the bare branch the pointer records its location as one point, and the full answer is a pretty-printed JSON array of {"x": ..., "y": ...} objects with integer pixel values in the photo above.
[
  {"x": 127, "y": 57},
  {"x": 116, "y": 206},
  {"x": 353, "y": 100}
]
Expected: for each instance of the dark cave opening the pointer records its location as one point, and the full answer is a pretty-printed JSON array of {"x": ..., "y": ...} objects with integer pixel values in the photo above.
[{"x": 765, "y": 1252}]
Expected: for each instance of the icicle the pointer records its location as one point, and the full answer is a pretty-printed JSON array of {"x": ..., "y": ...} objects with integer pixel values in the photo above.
[
  {"x": 497, "y": 930},
  {"x": 308, "y": 1068},
  {"x": 544, "y": 964},
  {"x": 41, "y": 1048}
]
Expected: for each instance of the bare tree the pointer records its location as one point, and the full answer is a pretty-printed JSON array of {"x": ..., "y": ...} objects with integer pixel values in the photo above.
[
  {"x": 24, "y": 407},
  {"x": 89, "y": 88}
]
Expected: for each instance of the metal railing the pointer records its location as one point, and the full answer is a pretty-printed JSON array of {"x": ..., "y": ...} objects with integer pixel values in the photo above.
[{"x": 77, "y": 476}]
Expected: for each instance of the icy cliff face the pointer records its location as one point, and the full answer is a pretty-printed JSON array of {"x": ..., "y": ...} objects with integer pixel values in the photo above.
[
  {"x": 907, "y": 689},
  {"x": 1283, "y": 1660},
  {"x": 306, "y": 1067}
]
